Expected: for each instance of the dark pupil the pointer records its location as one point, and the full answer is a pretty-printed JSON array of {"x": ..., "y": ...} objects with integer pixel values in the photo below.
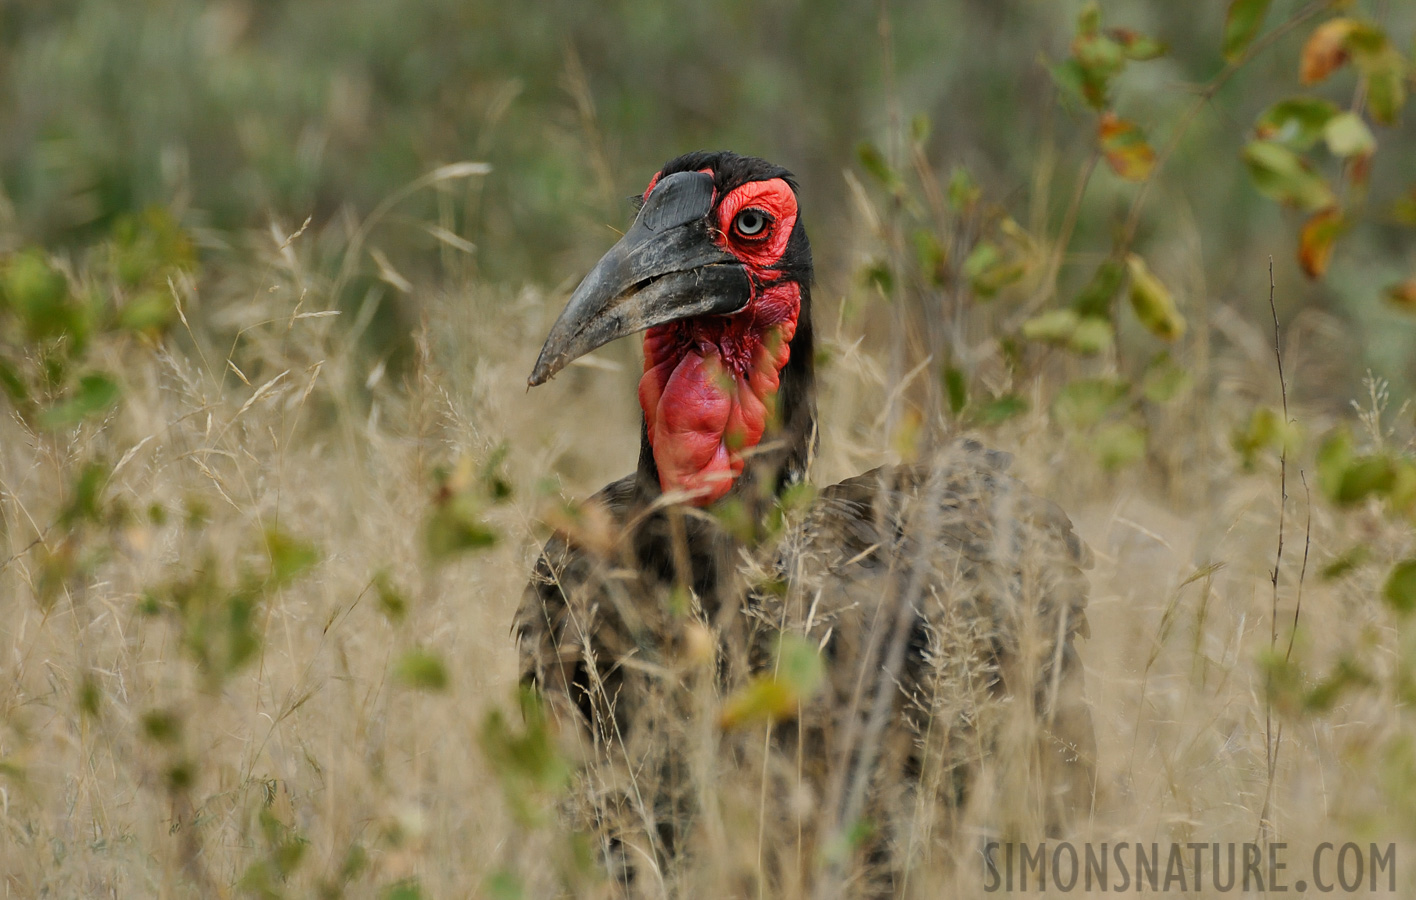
[{"x": 750, "y": 222}]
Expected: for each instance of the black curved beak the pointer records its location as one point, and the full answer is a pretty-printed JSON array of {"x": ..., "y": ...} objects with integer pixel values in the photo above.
[{"x": 665, "y": 268}]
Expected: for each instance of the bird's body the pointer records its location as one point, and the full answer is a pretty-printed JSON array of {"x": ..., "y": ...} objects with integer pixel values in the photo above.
[{"x": 943, "y": 597}]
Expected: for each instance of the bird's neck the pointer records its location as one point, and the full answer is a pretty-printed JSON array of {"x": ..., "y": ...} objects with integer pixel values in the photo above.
[{"x": 723, "y": 395}]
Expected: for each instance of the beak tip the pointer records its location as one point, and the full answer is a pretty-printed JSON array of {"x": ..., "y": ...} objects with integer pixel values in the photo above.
[{"x": 541, "y": 373}]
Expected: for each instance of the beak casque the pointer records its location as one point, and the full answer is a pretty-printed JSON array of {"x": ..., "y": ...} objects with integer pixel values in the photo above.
[{"x": 666, "y": 267}]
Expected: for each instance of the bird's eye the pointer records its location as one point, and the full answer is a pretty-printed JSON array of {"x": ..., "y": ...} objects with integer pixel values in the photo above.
[{"x": 750, "y": 222}]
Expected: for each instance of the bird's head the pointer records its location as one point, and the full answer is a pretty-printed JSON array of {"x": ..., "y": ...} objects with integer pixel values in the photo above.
[{"x": 716, "y": 269}]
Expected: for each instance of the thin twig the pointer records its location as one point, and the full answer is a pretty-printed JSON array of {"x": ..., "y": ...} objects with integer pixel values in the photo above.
[{"x": 1272, "y": 739}]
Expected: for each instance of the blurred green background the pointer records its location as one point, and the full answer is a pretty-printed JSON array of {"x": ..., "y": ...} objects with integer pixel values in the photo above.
[{"x": 242, "y": 112}]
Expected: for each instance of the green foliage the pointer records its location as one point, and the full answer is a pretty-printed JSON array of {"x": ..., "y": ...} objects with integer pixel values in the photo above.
[
  {"x": 990, "y": 267},
  {"x": 421, "y": 670},
  {"x": 1098, "y": 57},
  {"x": 526, "y": 761},
  {"x": 503, "y": 885},
  {"x": 456, "y": 523},
  {"x": 1165, "y": 380},
  {"x": 1118, "y": 444},
  {"x": 778, "y": 694},
  {"x": 1266, "y": 431},
  {"x": 1241, "y": 25},
  {"x": 1002, "y": 408},
  {"x": 392, "y": 602},
  {"x": 1297, "y": 122},
  {"x": 220, "y": 619},
  {"x": 1152, "y": 302},
  {"x": 956, "y": 388},
  {"x": 1283, "y": 175},
  {"x": 406, "y": 889},
  {"x": 1096, "y": 298},
  {"x": 1348, "y": 478},
  {"x": 1296, "y": 692},
  {"x": 95, "y": 393},
  {"x": 1400, "y": 589},
  {"x": 285, "y": 849},
  {"x": 1085, "y": 403}
]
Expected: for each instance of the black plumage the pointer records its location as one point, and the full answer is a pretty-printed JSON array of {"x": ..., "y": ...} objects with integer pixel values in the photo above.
[{"x": 945, "y": 600}]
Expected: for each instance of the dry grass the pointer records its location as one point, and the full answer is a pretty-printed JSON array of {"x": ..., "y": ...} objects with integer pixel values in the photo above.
[{"x": 324, "y": 741}]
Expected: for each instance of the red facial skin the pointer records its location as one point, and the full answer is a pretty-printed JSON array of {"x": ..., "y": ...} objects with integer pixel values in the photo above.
[{"x": 709, "y": 382}]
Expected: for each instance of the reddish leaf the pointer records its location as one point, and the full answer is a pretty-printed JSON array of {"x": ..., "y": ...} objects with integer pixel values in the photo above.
[
  {"x": 1315, "y": 241},
  {"x": 1125, "y": 147},
  {"x": 1326, "y": 50},
  {"x": 1135, "y": 45},
  {"x": 1403, "y": 294},
  {"x": 1359, "y": 170}
]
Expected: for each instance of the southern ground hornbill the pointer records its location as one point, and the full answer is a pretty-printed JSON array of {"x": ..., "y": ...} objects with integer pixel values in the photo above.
[{"x": 942, "y": 597}]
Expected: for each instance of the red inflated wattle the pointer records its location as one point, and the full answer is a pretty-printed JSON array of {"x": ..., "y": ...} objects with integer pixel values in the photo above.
[{"x": 708, "y": 386}]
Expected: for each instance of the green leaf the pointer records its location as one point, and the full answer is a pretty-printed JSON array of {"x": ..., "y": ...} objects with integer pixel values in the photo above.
[
  {"x": 932, "y": 258},
  {"x": 795, "y": 679},
  {"x": 1164, "y": 380},
  {"x": 1241, "y": 25},
  {"x": 1265, "y": 430},
  {"x": 1384, "y": 72},
  {"x": 404, "y": 889},
  {"x": 525, "y": 760},
  {"x": 90, "y": 696},
  {"x": 1072, "y": 81},
  {"x": 1118, "y": 445},
  {"x": 1152, "y": 302},
  {"x": 1365, "y": 476},
  {"x": 456, "y": 527},
  {"x": 289, "y": 557},
  {"x": 963, "y": 192},
  {"x": 422, "y": 670},
  {"x": 1296, "y": 122},
  {"x": 1347, "y": 135},
  {"x": 161, "y": 726},
  {"x": 1345, "y": 562},
  {"x": 392, "y": 602},
  {"x": 1084, "y": 403},
  {"x": 1400, "y": 588},
  {"x": 1092, "y": 336},
  {"x": 956, "y": 385},
  {"x": 1283, "y": 175},
  {"x": 1096, "y": 298},
  {"x": 150, "y": 310},
  {"x": 1056, "y": 326},
  {"x": 1089, "y": 18},
  {"x": 873, "y": 161},
  {"x": 1334, "y": 456},
  {"x": 1001, "y": 409},
  {"x": 503, "y": 884},
  {"x": 96, "y": 393},
  {"x": 989, "y": 270},
  {"x": 1098, "y": 59},
  {"x": 85, "y": 502}
]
